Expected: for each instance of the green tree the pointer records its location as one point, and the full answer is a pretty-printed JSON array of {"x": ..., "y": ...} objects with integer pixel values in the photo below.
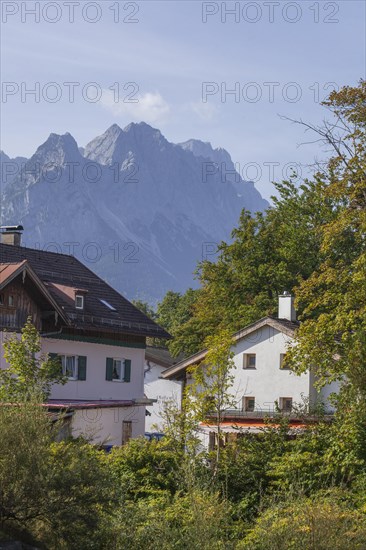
[
  {"x": 81, "y": 498},
  {"x": 29, "y": 371},
  {"x": 199, "y": 520},
  {"x": 173, "y": 312},
  {"x": 331, "y": 337},
  {"x": 265, "y": 257},
  {"x": 302, "y": 464},
  {"x": 56, "y": 495},
  {"x": 322, "y": 522},
  {"x": 145, "y": 468},
  {"x": 145, "y": 308},
  {"x": 24, "y": 445},
  {"x": 210, "y": 392}
]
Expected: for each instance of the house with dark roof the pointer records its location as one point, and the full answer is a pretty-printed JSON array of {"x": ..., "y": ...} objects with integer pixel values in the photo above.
[
  {"x": 97, "y": 335},
  {"x": 262, "y": 384}
]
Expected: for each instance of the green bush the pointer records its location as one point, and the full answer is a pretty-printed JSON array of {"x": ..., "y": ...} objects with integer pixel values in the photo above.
[{"x": 323, "y": 522}]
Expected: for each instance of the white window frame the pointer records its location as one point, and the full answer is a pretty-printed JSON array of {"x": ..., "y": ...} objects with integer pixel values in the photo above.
[
  {"x": 63, "y": 363},
  {"x": 122, "y": 373},
  {"x": 246, "y": 357},
  {"x": 81, "y": 298},
  {"x": 246, "y": 400},
  {"x": 282, "y": 403}
]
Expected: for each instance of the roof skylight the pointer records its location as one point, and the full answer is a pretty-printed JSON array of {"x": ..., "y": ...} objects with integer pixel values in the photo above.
[{"x": 107, "y": 304}]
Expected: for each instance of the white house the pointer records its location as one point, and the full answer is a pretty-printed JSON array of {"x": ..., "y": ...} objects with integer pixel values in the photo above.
[
  {"x": 162, "y": 392},
  {"x": 97, "y": 335},
  {"x": 262, "y": 384}
]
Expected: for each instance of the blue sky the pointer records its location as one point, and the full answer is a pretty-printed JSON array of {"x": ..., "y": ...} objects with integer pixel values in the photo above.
[{"x": 285, "y": 55}]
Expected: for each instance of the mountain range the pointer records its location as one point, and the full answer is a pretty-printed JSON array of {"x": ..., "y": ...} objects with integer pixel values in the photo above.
[{"x": 137, "y": 209}]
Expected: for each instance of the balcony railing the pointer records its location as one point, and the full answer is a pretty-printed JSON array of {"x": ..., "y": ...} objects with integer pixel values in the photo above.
[{"x": 261, "y": 414}]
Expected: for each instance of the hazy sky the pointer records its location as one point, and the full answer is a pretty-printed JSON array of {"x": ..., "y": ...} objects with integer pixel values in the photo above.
[{"x": 173, "y": 64}]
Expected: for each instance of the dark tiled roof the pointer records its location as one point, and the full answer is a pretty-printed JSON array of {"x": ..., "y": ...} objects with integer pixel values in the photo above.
[
  {"x": 60, "y": 271},
  {"x": 161, "y": 356}
]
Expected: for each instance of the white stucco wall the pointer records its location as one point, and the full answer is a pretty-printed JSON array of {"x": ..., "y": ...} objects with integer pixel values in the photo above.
[
  {"x": 267, "y": 382},
  {"x": 324, "y": 394},
  {"x": 162, "y": 390},
  {"x": 104, "y": 425},
  {"x": 96, "y": 386}
]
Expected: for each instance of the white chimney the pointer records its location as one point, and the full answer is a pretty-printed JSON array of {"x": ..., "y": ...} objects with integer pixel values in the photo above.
[{"x": 286, "y": 309}]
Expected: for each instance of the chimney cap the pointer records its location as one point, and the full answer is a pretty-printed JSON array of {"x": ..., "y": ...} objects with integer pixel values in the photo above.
[{"x": 11, "y": 228}]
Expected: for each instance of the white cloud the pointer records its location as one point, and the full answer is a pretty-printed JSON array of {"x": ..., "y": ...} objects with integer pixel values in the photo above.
[{"x": 148, "y": 107}]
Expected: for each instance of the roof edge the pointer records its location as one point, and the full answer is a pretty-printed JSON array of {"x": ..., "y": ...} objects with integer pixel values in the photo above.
[
  {"x": 24, "y": 266},
  {"x": 237, "y": 336}
]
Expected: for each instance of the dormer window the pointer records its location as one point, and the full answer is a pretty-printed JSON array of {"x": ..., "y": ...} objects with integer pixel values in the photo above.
[
  {"x": 80, "y": 295},
  {"x": 79, "y": 301}
]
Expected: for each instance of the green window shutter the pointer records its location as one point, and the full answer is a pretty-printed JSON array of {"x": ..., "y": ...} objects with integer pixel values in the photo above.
[
  {"x": 56, "y": 356},
  {"x": 127, "y": 375},
  {"x": 81, "y": 367},
  {"x": 109, "y": 369}
]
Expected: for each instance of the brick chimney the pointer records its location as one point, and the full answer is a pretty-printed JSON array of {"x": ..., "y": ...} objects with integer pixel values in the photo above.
[
  {"x": 286, "y": 308},
  {"x": 11, "y": 234}
]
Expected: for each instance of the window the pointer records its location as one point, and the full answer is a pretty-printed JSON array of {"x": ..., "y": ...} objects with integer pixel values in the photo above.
[
  {"x": 286, "y": 404},
  {"x": 69, "y": 366},
  {"x": 282, "y": 359},
  {"x": 249, "y": 361},
  {"x": 1, "y": 299},
  {"x": 72, "y": 366},
  {"x": 79, "y": 301},
  {"x": 107, "y": 304},
  {"x": 10, "y": 300},
  {"x": 118, "y": 369},
  {"x": 249, "y": 404}
]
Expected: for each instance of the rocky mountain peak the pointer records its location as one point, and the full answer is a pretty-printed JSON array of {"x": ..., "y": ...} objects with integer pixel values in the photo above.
[
  {"x": 149, "y": 204},
  {"x": 58, "y": 148}
]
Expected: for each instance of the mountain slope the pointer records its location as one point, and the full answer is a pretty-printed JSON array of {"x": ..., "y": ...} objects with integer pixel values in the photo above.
[
  {"x": 139, "y": 210},
  {"x": 9, "y": 168}
]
